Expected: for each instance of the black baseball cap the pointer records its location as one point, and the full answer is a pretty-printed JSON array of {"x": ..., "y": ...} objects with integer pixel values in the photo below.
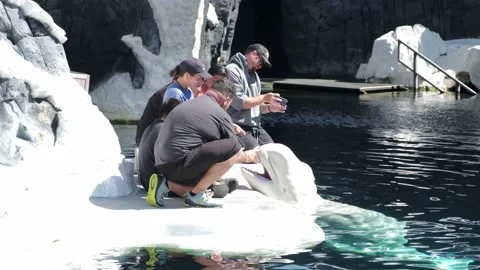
[
  {"x": 262, "y": 51},
  {"x": 193, "y": 65}
]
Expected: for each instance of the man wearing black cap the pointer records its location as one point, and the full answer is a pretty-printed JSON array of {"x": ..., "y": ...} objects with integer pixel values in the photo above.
[{"x": 250, "y": 104}]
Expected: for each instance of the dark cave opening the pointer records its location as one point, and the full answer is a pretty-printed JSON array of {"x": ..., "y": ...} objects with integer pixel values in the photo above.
[{"x": 262, "y": 22}]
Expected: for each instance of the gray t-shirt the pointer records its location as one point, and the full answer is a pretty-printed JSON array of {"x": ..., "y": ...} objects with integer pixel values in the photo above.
[
  {"x": 248, "y": 85},
  {"x": 189, "y": 125}
]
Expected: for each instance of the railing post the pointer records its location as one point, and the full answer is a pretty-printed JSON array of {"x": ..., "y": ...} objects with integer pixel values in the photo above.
[{"x": 415, "y": 75}]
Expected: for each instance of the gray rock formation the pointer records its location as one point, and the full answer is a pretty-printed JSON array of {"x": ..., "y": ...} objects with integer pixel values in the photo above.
[
  {"x": 49, "y": 129},
  {"x": 27, "y": 119},
  {"x": 332, "y": 37},
  {"x": 218, "y": 40},
  {"x": 95, "y": 28}
]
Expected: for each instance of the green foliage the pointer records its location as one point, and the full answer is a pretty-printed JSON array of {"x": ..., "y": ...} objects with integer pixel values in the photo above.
[
  {"x": 123, "y": 122},
  {"x": 427, "y": 88}
]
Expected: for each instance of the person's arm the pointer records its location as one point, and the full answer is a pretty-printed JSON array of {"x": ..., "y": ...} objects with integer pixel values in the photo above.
[
  {"x": 248, "y": 102},
  {"x": 272, "y": 107}
]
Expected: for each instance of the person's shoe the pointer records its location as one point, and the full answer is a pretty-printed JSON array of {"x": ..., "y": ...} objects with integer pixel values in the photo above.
[
  {"x": 219, "y": 191},
  {"x": 157, "y": 190},
  {"x": 201, "y": 199},
  {"x": 231, "y": 183}
]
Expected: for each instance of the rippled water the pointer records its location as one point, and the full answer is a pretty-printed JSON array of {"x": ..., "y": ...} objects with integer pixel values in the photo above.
[{"x": 415, "y": 158}]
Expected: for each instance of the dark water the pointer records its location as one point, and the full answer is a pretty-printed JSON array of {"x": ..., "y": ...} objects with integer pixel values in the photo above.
[{"x": 412, "y": 157}]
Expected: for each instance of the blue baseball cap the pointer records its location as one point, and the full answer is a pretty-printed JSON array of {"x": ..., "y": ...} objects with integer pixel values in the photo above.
[{"x": 193, "y": 65}]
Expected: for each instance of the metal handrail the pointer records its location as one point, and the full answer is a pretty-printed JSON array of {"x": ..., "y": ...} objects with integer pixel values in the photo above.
[{"x": 416, "y": 74}]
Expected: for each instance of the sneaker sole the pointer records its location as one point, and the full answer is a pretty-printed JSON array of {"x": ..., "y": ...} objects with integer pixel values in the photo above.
[
  {"x": 202, "y": 206},
  {"x": 152, "y": 191},
  {"x": 198, "y": 206}
]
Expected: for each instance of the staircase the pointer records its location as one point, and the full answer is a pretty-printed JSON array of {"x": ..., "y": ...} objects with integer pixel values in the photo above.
[{"x": 416, "y": 74}]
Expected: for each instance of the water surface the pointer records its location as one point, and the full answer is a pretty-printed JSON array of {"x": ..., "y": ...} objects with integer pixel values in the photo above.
[{"x": 414, "y": 157}]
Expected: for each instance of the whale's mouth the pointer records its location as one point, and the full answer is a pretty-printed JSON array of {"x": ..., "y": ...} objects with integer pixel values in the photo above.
[
  {"x": 281, "y": 175},
  {"x": 265, "y": 176}
]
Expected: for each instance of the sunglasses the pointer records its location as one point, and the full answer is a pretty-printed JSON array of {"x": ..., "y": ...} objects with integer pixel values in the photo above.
[{"x": 261, "y": 61}]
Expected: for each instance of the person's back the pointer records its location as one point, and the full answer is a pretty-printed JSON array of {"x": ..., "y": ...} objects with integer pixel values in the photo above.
[
  {"x": 196, "y": 146},
  {"x": 202, "y": 121},
  {"x": 151, "y": 112},
  {"x": 146, "y": 157}
]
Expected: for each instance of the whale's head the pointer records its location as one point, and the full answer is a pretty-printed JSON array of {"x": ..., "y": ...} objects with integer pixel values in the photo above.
[{"x": 285, "y": 177}]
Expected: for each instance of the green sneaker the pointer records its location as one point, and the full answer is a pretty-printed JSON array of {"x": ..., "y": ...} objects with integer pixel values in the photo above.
[
  {"x": 200, "y": 200},
  {"x": 157, "y": 190}
]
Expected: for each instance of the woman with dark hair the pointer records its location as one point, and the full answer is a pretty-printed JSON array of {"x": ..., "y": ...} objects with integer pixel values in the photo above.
[{"x": 187, "y": 76}]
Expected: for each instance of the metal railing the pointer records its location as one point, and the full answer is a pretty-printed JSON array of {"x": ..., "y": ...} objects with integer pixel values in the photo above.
[{"x": 416, "y": 74}]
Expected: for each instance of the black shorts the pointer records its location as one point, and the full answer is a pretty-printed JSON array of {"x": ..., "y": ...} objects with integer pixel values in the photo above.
[
  {"x": 255, "y": 136},
  {"x": 189, "y": 170}
]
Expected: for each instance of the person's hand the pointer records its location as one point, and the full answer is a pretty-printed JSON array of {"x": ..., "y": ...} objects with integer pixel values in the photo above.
[
  {"x": 271, "y": 97},
  {"x": 277, "y": 107},
  {"x": 238, "y": 130},
  {"x": 252, "y": 155}
]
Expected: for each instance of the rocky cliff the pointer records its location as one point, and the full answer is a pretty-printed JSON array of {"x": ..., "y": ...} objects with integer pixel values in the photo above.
[
  {"x": 49, "y": 127},
  {"x": 128, "y": 47},
  {"x": 332, "y": 37}
]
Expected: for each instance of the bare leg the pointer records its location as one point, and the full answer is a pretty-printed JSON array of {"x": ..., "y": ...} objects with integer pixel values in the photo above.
[
  {"x": 180, "y": 190},
  {"x": 214, "y": 173}
]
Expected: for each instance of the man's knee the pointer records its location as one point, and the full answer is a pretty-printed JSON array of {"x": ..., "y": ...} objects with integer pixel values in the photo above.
[
  {"x": 264, "y": 137},
  {"x": 248, "y": 141},
  {"x": 231, "y": 161}
]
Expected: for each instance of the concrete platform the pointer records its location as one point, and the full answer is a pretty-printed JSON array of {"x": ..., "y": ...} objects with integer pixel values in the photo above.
[{"x": 336, "y": 86}]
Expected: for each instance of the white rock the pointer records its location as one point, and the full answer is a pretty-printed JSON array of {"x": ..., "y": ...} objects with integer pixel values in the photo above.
[
  {"x": 448, "y": 82},
  {"x": 248, "y": 224},
  {"x": 362, "y": 70},
  {"x": 380, "y": 64},
  {"x": 457, "y": 54},
  {"x": 212, "y": 16},
  {"x": 116, "y": 97},
  {"x": 384, "y": 63},
  {"x": 33, "y": 10},
  {"x": 472, "y": 56},
  {"x": 84, "y": 137},
  {"x": 475, "y": 74}
]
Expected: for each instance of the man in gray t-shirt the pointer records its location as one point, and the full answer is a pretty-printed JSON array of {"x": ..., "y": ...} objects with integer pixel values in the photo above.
[
  {"x": 249, "y": 104},
  {"x": 197, "y": 146}
]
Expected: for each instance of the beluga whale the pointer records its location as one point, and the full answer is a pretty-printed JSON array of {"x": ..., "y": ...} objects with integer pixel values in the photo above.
[{"x": 292, "y": 181}]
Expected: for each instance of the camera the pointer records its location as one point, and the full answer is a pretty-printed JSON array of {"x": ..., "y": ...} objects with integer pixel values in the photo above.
[{"x": 283, "y": 101}]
